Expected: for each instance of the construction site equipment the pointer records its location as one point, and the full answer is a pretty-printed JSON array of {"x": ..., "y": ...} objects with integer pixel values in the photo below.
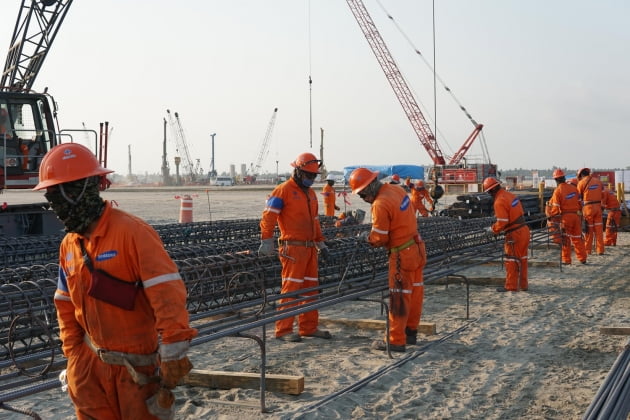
[
  {"x": 263, "y": 151},
  {"x": 181, "y": 145},
  {"x": 411, "y": 107}
]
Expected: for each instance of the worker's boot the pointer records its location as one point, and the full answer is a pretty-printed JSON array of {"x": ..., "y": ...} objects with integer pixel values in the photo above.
[{"x": 412, "y": 335}]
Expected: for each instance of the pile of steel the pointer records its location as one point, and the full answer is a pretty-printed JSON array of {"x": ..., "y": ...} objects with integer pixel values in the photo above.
[
  {"x": 475, "y": 205},
  {"x": 230, "y": 288}
]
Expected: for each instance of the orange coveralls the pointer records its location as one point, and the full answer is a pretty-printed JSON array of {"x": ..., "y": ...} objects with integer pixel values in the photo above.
[
  {"x": 418, "y": 195},
  {"x": 553, "y": 224},
  {"x": 295, "y": 211},
  {"x": 565, "y": 203},
  {"x": 509, "y": 213},
  {"x": 329, "y": 200},
  {"x": 394, "y": 226},
  {"x": 612, "y": 206},
  {"x": 591, "y": 188},
  {"x": 129, "y": 249}
]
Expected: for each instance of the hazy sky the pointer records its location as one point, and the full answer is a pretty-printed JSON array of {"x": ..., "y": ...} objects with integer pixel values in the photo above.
[{"x": 548, "y": 79}]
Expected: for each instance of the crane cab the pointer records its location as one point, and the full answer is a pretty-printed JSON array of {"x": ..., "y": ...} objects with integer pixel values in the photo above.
[{"x": 27, "y": 132}]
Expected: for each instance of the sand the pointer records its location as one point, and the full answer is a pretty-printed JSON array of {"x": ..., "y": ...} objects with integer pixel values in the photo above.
[{"x": 529, "y": 355}]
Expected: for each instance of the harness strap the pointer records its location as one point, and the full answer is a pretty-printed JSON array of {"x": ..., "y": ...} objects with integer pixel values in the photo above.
[{"x": 403, "y": 246}]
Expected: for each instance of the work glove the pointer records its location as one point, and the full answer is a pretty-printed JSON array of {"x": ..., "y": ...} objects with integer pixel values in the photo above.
[
  {"x": 266, "y": 247},
  {"x": 174, "y": 363},
  {"x": 363, "y": 236},
  {"x": 323, "y": 251},
  {"x": 489, "y": 230},
  {"x": 161, "y": 405}
]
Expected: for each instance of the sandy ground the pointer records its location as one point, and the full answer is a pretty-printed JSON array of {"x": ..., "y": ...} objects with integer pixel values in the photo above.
[{"x": 529, "y": 355}]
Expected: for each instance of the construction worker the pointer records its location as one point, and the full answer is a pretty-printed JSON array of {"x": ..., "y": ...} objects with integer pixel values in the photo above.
[
  {"x": 394, "y": 227},
  {"x": 418, "y": 194},
  {"x": 565, "y": 204},
  {"x": 120, "y": 300},
  {"x": 591, "y": 191},
  {"x": 395, "y": 179},
  {"x": 330, "y": 196},
  {"x": 553, "y": 224},
  {"x": 613, "y": 209},
  {"x": 510, "y": 220},
  {"x": 292, "y": 205}
]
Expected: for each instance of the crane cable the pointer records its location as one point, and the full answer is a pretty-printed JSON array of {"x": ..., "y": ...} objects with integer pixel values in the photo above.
[
  {"x": 432, "y": 68},
  {"x": 310, "y": 80}
]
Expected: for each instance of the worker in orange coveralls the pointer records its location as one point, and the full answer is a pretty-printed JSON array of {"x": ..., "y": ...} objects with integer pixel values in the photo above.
[
  {"x": 613, "y": 219},
  {"x": 591, "y": 191},
  {"x": 418, "y": 194},
  {"x": 394, "y": 227},
  {"x": 508, "y": 211},
  {"x": 292, "y": 205},
  {"x": 330, "y": 196},
  {"x": 565, "y": 204},
  {"x": 120, "y": 300},
  {"x": 553, "y": 224}
]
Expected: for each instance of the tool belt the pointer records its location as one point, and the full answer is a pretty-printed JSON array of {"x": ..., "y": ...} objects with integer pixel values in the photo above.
[
  {"x": 403, "y": 246},
  {"x": 309, "y": 244},
  {"x": 120, "y": 358},
  {"x": 592, "y": 202},
  {"x": 128, "y": 360}
]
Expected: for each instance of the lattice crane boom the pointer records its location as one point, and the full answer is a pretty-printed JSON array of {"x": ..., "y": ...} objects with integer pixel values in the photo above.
[
  {"x": 177, "y": 130},
  {"x": 264, "y": 147},
  {"x": 35, "y": 30},
  {"x": 396, "y": 80}
]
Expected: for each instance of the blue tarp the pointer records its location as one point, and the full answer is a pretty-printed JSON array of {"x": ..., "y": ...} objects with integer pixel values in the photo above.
[{"x": 403, "y": 171}]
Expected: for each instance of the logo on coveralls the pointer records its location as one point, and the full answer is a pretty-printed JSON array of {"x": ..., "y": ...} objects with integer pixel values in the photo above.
[
  {"x": 107, "y": 255},
  {"x": 515, "y": 202},
  {"x": 405, "y": 203}
]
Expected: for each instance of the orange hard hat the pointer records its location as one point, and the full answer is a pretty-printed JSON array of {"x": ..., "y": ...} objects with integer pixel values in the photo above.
[
  {"x": 68, "y": 162},
  {"x": 420, "y": 183},
  {"x": 361, "y": 178},
  {"x": 307, "y": 162},
  {"x": 558, "y": 173},
  {"x": 396, "y": 177},
  {"x": 489, "y": 183},
  {"x": 586, "y": 170}
]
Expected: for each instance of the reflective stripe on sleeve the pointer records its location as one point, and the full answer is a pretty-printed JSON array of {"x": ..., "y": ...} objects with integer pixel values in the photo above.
[
  {"x": 382, "y": 232},
  {"x": 60, "y": 296},
  {"x": 161, "y": 279}
]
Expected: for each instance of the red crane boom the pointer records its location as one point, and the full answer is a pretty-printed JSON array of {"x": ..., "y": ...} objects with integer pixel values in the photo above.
[{"x": 396, "y": 80}]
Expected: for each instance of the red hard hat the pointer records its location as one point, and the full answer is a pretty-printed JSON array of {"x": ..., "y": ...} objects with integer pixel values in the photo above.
[
  {"x": 307, "y": 162},
  {"x": 68, "y": 162},
  {"x": 489, "y": 183},
  {"x": 579, "y": 173},
  {"x": 558, "y": 173},
  {"x": 396, "y": 177},
  {"x": 361, "y": 178}
]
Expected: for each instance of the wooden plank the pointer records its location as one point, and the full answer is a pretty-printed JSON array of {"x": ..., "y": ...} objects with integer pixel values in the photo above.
[
  {"x": 496, "y": 263},
  {"x": 426, "y": 328},
  {"x": 284, "y": 384},
  {"x": 477, "y": 281},
  {"x": 614, "y": 330}
]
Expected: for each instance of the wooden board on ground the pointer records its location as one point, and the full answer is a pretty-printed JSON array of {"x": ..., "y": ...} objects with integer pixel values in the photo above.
[
  {"x": 530, "y": 263},
  {"x": 285, "y": 384},
  {"x": 614, "y": 330},
  {"x": 426, "y": 328},
  {"x": 477, "y": 281}
]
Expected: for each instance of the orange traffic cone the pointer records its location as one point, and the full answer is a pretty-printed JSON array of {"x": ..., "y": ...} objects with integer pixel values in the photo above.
[{"x": 185, "y": 209}]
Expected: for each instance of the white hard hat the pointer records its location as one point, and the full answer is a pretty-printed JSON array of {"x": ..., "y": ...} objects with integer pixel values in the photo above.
[{"x": 330, "y": 177}]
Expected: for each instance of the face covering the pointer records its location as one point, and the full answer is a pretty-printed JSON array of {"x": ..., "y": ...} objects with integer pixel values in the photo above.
[{"x": 77, "y": 204}]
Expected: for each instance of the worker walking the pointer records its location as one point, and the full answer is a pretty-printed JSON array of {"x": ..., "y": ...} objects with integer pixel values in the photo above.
[
  {"x": 330, "y": 196},
  {"x": 613, "y": 218},
  {"x": 510, "y": 220},
  {"x": 418, "y": 195},
  {"x": 565, "y": 204},
  {"x": 591, "y": 191},
  {"x": 292, "y": 206},
  {"x": 120, "y": 300},
  {"x": 394, "y": 227}
]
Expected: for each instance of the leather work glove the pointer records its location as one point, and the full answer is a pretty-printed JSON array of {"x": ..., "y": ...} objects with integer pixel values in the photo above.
[
  {"x": 266, "y": 247},
  {"x": 161, "y": 404},
  {"x": 363, "y": 236},
  {"x": 323, "y": 251},
  {"x": 489, "y": 230},
  {"x": 174, "y": 363}
]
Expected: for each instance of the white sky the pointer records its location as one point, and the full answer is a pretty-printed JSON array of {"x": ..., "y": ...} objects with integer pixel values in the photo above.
[{"x": 548, "y": 79}]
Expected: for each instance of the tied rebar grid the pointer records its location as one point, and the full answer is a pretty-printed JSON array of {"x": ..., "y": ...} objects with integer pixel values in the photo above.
[{"x": 231, "y": 293}]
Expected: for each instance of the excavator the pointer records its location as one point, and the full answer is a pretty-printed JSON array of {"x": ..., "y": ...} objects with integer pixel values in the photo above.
[{"x": 28, "y": 120}]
